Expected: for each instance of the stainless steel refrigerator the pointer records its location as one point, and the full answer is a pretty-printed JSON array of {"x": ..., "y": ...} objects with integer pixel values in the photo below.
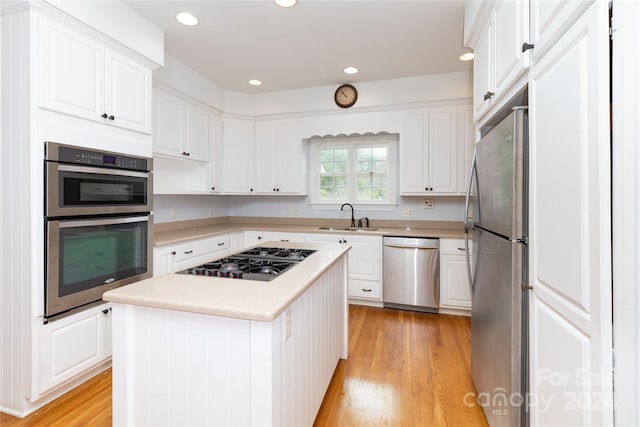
[{"x": 496, "y": 222}]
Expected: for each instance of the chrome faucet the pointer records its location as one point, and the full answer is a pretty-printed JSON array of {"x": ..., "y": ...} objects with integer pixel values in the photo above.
[{"x": 353, "y": 219}]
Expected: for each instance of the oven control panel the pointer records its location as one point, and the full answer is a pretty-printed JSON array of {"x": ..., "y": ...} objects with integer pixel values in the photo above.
[{"x": 77, "y": 155}]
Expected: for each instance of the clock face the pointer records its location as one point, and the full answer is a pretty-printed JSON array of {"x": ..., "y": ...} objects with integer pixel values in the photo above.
[{"x": 345, "y": 96}]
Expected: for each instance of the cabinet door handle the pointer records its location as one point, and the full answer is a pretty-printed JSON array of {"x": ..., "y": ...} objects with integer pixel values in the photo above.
[
  {"x": 488, "y": 95},
  {"x": 188, "y": 252},
  {"x": 221, "y": 244},
  {"x": 104, "y": 115},
  {"x": 173, "y": 252},
  {"x": 526, "y": 46},
  {"x": 105, "y": 311},
  {"x": 366, "y": 290},
  {"x": 184, "y": 153},
  {"x": 111, "y": 118}
]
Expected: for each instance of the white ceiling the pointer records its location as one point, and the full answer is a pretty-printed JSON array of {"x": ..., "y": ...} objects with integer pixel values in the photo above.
[{"x": 309, "y": 44}]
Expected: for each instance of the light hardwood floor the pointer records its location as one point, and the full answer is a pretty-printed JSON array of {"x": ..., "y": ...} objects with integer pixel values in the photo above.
[{"x": 404, "y": 369}]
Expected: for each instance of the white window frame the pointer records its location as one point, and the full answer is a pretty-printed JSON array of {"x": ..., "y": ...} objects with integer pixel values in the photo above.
[{"x": 352, "y": 143}]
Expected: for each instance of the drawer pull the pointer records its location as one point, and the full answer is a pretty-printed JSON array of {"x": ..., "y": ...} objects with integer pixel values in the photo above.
[
  {"x": 173, "y": 252},
  {"x": 221, "y": 244},
  {"x": 188, "y": 252},
  {"x": 284, "y": 240},
  {"x": 366, "y": 290},
  {"x": 461, "y": 249}
]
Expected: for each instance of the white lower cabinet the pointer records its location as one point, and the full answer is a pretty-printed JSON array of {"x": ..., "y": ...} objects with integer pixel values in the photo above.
[
  {"x": 170, "y": 258},
  {"x": 455, "y": 291},
  {"x": 73, "y": 345},
  {"x": 365, "y": 264},
  {"x": 253, "y": 238}
]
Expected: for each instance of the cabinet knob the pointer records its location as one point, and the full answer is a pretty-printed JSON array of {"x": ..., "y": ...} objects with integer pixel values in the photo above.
[
  {"x": 277, "y": 189},
  {"x": 488, "y": 95},
  {"x": 274, "y": 189},
  {"x": 111, "y": 118},
  {"x": 105, "y": 311},
  {"x": 213, "y": 188},
  {"x": 251, "y": 189},
  {"x": 259, "y": 237},
  {"x": 173, "y": 252},
  {"x": 104, "y": 115}
]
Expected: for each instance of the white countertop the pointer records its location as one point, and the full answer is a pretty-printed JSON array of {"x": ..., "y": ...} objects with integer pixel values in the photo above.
[{"x": 236, "y": 298}]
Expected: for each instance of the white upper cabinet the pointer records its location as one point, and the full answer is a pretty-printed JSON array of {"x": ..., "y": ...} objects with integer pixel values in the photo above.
[
  {"x": 429, "y": 154},
  {"x": 80, "y": 77},
  {"x": 181, "y": 129},
  {"x": 279, "y": 158},
  {"x": 501, "y": 53},
  {"x": 466, "y": 142},
  {"x": 237, "y": 156},
  {"x": 550, "y": 19}
]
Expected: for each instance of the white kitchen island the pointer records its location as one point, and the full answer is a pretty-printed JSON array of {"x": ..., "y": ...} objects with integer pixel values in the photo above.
[{"x": 198, "y": 350}]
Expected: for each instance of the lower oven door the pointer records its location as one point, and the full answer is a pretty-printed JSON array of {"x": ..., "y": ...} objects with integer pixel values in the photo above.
[{"x": 87, "y": 257}]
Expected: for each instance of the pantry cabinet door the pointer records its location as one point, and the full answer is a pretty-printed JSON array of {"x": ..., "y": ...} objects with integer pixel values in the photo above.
[
  {"x": 127, "y": 93},
  {"x": 266, "y": 148},
  {"x": 71, "y": 72},
  {"x": 570, "y": 307}
]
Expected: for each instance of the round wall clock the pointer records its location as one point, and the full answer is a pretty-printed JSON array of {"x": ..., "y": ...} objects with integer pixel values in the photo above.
[{"x": 346, "y": 95}]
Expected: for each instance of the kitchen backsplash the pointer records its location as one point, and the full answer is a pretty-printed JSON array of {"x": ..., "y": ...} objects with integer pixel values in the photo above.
[{"x": 168, "y": 208}]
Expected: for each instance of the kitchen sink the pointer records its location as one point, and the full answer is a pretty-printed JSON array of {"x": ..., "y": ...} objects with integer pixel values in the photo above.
[{"x": 346, "y": 229}]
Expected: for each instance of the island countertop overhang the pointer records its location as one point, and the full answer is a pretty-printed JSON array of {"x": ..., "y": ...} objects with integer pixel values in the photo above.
[{"x": 235, "y": 298}]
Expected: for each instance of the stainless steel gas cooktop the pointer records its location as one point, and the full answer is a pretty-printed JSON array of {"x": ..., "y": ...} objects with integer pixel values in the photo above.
[{"x": 262, "y": 264}]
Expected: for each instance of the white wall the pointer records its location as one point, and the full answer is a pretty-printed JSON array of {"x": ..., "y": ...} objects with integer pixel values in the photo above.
[
  {"x": 188, "y": 207},
  {"x": 186, "y": 80},
  {"x": 370, "y": 95},
  {"x": 445, "y": 208}
]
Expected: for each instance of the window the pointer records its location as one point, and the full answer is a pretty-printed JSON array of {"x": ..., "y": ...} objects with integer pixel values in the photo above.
[{"x": 359, "y": 170}]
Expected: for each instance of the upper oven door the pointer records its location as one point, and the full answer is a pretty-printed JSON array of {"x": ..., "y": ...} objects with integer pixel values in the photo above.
[{"x": 73, "y": 190}]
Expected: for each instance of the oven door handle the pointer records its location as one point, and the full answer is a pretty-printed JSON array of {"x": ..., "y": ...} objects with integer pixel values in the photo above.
[
  {"x": 107, "y": 221},
  {"x": 101, "y": 171}
]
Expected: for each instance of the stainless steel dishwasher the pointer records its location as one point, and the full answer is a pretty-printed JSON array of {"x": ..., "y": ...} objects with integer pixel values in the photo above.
[{"x": 411, "y": 273}]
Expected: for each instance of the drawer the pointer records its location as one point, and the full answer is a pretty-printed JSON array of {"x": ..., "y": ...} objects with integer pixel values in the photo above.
[
  {"x": 454, "y": 246},
  {"x": 365, "y": 289},
  {"x": 201, "y": 247}
]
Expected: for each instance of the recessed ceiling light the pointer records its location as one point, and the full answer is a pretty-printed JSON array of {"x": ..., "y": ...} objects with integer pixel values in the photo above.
[
  {"x": 466, "y": 56},
  {"x": 255, "y": 82},
  {"x": 286, "y": 3},
  {"x": 187, "y": 19},
  {"x": 351, "y": 70}
]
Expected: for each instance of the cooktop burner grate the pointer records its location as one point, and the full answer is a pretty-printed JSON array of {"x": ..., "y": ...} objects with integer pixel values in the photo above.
[{"x": 263, "y": 264}]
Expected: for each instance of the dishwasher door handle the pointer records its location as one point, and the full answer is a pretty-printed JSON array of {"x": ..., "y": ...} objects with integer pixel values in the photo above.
[{"x": 411, "y": 247}]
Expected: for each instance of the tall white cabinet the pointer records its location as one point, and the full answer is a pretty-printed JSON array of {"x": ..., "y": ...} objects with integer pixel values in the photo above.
[
  {"x": 570, "y": 199},
  {"x": 61, "y": 81}
]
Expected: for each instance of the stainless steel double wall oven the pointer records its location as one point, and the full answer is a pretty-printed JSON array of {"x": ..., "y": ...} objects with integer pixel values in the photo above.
[{"x": 98, "y": 225}]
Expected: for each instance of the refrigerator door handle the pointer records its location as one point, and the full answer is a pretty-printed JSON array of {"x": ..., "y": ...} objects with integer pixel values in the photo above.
[
  {"x": 468, "y": 196},
  {"x": 467, "y": 224}
]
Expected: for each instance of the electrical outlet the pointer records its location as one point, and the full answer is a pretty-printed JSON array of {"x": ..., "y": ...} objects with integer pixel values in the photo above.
[
  {"x": 406, "y": 212},
  {"x": 428, "y": 203},
  {"x": 173, "y": 214},
  {"x": 292, "y": 212}
]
